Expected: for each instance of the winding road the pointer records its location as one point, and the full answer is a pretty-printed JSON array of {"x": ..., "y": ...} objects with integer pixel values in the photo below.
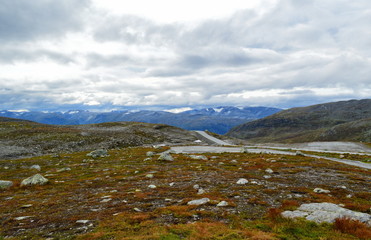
[{"x": 252, "y": 149}]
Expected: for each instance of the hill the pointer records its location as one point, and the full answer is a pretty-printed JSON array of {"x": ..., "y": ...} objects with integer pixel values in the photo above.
[
  {"x": 219, "y": 120},
  {"x": 337, "y": 121},
  {"x": 20, "y": 138}
]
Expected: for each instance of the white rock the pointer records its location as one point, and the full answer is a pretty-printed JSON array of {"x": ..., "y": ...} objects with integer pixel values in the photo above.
[
  {"x": 36, "y": 167},
  {"x": 171, "y": 184},
  {"x": 201, "y": 191},
  {"x": 82, "y": 221},
  {"x": 36, "y": 179},
  {"x": 320, "y": 190},
  {"x": 26, "y": 206},
  {"x": 150, "y": 154},
  {"x": 64, "y": 169},
  {"x": 196, "y": 186},
  {"x": 22, "y": 218},
  {"x": 222, "y": 204},
  {"x": 242, "y": 181},
  {"x": 268, "y": 170},
  {"x": 149, "y": 175},
  {"x": 137, "y": 210},
  {"x": 152, "y": 186},
  {"x": 198, "y": 157},
  {"x": 5, "y": 184},
  {"x": 199, "y": 201},
  {"x": 106, "y": 200},
  {"x": 267, "y": 176},
  {"x": 165, "y": 156}
]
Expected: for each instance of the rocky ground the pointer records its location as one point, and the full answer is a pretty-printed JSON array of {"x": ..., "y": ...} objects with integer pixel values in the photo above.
[{"x": 131, "y": 194}]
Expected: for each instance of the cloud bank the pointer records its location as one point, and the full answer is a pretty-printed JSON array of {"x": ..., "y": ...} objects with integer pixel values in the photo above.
[{"x": 285, "y": 54}]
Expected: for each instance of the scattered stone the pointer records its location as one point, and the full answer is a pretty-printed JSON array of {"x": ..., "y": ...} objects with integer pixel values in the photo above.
[
  {"x": 166, "y": 156},
  {"x": 26, "y": 206},
  {"x": 201, "y": 191},
  {"x": 199, "y": 201},
  {"x": 171, "y": 184},
  {"x": 268, "y": 170},
  {"x": 137, "y": 210},
  {"x": 320, "y": 190},
  {"x": 152, "y": 186},
  {"x": 108, "y": 196},
  {"x": 150, "y": 154},
  {"x": 299, "y": 153},
  {"x": 83, "y": 221},
  {"x": 198, "y": 141},
  {"x": 242, "y": 181},
  {"x": 99, "y": 153},
  {"x": 222, "y": 204},
  {"x": 147, "y": 159},
  {"x": 106, "y": 200},
  {"x": 198, "y": 157},
  {"x": 65, "y": 169},
  {"x": 267, "y": 176},
  {"x": 36, "y": 179},
  {"x": 22, "y": 218},
  {"x": 5, "y": 184},
  {"x": 326, "y": 212},
  {"x": 168, "y": 200},
  {"x": 341, "y": 156},
  {"x": 349, "y": 196},
  {"x": 36, "y": 167},
  {"x": 234, "y": 161},
  {"x": 196, "y": 186},
  {"x": 150, "y": 175},
  {"x": 6, "y": 167}
]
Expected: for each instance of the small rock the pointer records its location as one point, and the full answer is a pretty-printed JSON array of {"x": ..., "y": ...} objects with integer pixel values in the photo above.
[
  {"x": 166, "y": 156},
  {"x": 36, "y": 179},
  {"x": 234, "y": 161},
  {"x": 83, "y": 221},
  {"x": 36, "y": 167},
  {"x": 106, "y": 200},
  {"x": 244, "y": 150},
  {"x": 222, "y": 204},
  {"x": 99, "y": 153},
  {"x": 320, "y": 190},
  {"x": 197, "y": 141},
  {"x": 147, "y": 159},
  {"x": 168, "y": 200},
  {"x": 201, "y": 191},
  {"x": 152, "y": 186},
  {"x": 199, "y": 201},
  {"x": 22, "y": 218},
  {"x": 137, "y": 210},
  {"x": 196, "y": 186},
  {"x": 349, "y": 196},
  {"x": 26, "y": 206},
  {"x": 150, "y": 175},
  {"x": 242, "y": 181},
  {"x": 150, "y": 154},
  {"x": 299, "y": 153},
  {"x": 341, "y": 156},
  {"x": 65, "y": 169},
  {"x": 268, "y": 170},
  {"x": 5, "y": 184},
  {"x": 198, "y": 157},
  {"x": 171, "y": 184},
  {"x": 267, "y": 176}
]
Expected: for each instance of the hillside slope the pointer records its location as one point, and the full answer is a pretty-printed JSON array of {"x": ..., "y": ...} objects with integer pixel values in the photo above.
[
  {"x": 20, "y": 138},
  {"x": 337, "y": 121}
]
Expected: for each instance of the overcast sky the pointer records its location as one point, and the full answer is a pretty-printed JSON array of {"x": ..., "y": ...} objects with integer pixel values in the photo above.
[{"x": 103, "y": 54}]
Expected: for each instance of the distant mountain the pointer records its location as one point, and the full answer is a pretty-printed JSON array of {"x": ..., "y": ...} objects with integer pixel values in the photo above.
[
  {"x": 219, "y": 120},
  {"x": 337, "y": 121}
]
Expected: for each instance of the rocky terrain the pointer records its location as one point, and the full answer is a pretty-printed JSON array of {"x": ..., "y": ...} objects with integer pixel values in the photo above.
[
  {"x": 138, "y": 188},
  {"x": 338, "y": 121},
  {"x": 20, "y": 138}
]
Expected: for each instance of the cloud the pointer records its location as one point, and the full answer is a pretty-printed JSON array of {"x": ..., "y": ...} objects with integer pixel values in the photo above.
[
  {"x": 290, "y": 53},
  {"x": 22, "y": 20}
]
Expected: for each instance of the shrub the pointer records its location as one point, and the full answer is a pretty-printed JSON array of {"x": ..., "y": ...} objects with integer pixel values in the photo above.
[{"x": 353, "y": 227}]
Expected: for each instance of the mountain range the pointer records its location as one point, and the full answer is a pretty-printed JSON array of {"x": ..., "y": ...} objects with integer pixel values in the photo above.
[
  {"x": 218, "y": 120},
  {"x": 336, "y": 121}
]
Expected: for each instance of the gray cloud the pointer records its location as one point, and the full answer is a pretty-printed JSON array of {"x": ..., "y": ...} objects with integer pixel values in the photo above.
[
  {"x": 297, "y": 53},
  {"x": 23, "y": 20}
]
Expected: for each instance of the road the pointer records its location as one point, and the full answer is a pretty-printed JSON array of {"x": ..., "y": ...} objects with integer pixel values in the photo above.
[{"x": 252, "y": 149}]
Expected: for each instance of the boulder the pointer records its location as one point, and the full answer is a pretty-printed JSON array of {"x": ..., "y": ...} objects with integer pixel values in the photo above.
[
  {"x": 199, "y": 201},
  {"x": 5, "y": 184},
  {"x": 222, "y": 204},
  {"x": 242, "y": 181},
  {"x": 36, "y": 179},
  {"x": 150, "y": 154},
  {"x": 36, "y": 167},
  {"x": 99, "y": 153},
  {"x": 166, "y": 156},
  {"x": 326, "y": 212},
  {"x": 320, "y": 190},
  {"x": 198, "y": 157}
]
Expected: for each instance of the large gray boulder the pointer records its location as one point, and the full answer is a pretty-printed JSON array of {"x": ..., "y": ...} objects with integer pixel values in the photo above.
[
  {"x": 36, "y": 179},
  {"x": 326, "y": 212},
  {"x": 99, "y": 153},
  {"x": 166, "y": 156},
  {"x": 5, "y": 184},
  {"x": 199, "y": 201}
]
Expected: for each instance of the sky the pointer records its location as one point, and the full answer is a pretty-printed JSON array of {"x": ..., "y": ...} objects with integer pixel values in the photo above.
[{"x": 112, "y": 54}]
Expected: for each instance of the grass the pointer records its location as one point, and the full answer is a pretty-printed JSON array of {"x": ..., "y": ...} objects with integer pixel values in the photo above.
[{"x": 135, "y": 211}]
